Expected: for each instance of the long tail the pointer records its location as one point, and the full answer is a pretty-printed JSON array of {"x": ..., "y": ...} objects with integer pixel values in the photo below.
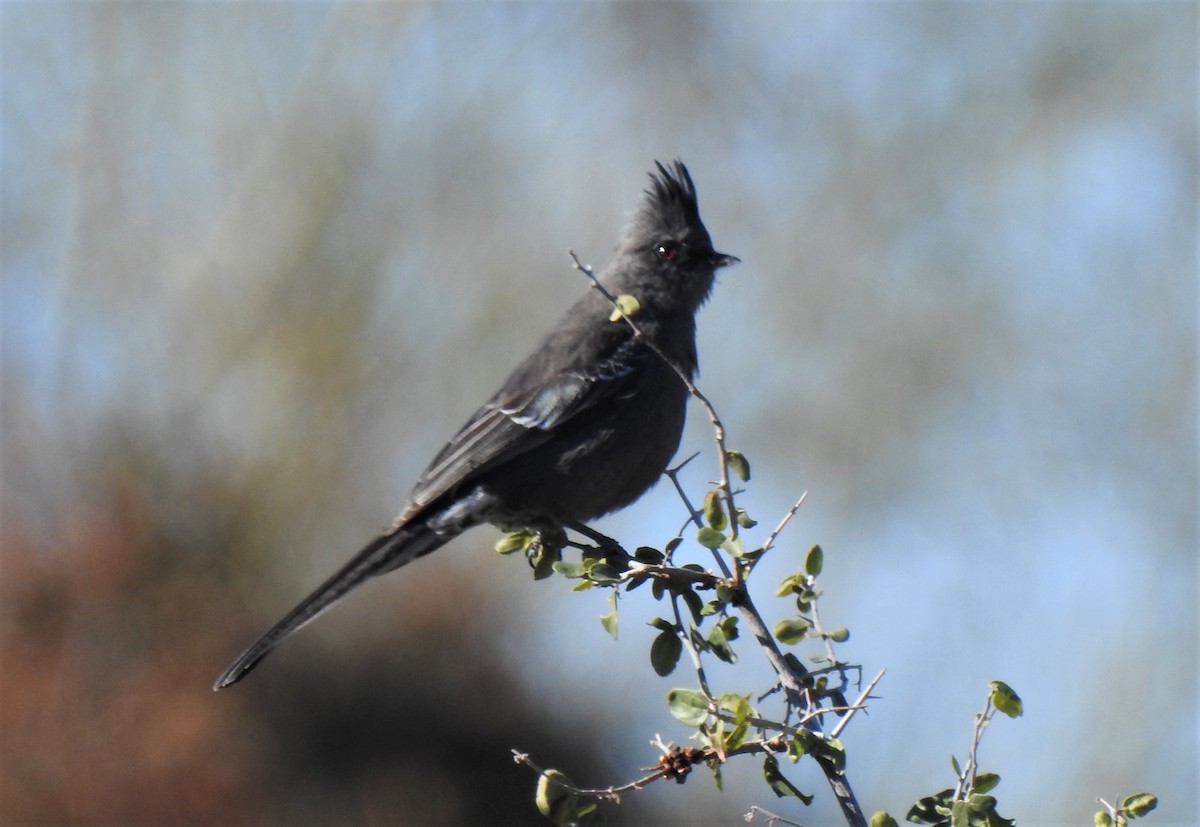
[{"x": 398, "y": 547}]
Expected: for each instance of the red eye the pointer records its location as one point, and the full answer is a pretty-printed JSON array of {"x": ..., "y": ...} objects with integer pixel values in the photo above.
[{"x": 666, "y": 251}]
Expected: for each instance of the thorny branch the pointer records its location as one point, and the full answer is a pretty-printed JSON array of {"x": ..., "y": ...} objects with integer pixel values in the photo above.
[{"x": 794, "y": 679}]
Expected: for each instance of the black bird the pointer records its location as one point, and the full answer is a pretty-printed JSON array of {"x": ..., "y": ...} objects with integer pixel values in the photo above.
[{"x": 584, "y": 426}]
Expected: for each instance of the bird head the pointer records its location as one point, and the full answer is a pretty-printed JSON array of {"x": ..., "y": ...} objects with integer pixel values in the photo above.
[{"x": 666, "y": 257}]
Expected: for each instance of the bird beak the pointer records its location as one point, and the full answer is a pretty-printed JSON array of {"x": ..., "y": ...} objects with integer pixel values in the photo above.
[{"x": 719, "y": 260}]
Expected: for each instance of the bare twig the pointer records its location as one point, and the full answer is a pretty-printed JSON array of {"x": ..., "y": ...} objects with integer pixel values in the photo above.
[
  {"x": 966, "y": 780},
  {"x": 858, "y": 704},
  {"x": 783, "y": 523},
  {"x": 771, "y": 818}
]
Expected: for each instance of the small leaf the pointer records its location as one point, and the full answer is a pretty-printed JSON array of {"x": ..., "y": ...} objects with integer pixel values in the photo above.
[
  {"x": 780, "y": 785},
  {"x": 744, "y": 520},
  {"x": 665, "y": 652},
  {"x": 980, "y": 803},
  {"x": 543, "y": 561},
  {"x": 734, "y": 547},
  {"x": 1138, "y": 804},
  {"x": 551, "y": 792},
  {"x": 662, "y": 624},
  {"x": 954, "y": 766},
  {"x": 626, "y": 305},
  {"x": 736, "y": 705},
  {"x": 568, "y": 569},
  {"x": 672, "y": 544},
  {"x": 882, "y": 819},
  {"x": 1006, "y": 700},
  {"x": 813, "y": 561},
  {"x": 603, "y": 572},
  {"x": 688, "y": 706},
  {"x": 1102, "y": 819},
  {"x": 839, "y": 635},
  {"x": 609, "y": 621},
  {"x": 985, "y": 782},
  {"x": 710, "y": 537},
  {"x": 514, "y": 541},
  {"x": 739, "y": 465},
  {"x": 791, "y": 630},
  {"x": 694, "y": 603},
  {"x": 714, "y": 511}
]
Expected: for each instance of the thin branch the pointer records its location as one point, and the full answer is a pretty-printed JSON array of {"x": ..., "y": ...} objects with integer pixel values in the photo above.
[
  {"x": 966, "y": 781},
  {"x": 858, "y": 704},
  {"x": 783, "y": 523},
  {"x": 607, "y": 793},
  {"x": 690, "y": 646},
  {"x": 770, "y": 816}
]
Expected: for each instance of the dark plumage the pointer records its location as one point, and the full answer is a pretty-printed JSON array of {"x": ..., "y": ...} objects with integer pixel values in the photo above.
[{"x": 584, "y": 426}]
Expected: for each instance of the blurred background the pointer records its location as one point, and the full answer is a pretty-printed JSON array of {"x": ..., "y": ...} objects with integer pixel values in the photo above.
[{"x": 260, "y": 260}]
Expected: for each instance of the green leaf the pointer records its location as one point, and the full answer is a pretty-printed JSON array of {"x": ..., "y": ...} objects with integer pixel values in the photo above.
[
  {"x": 813, "y": 561},
  {"x": 602, "y": 572},
  {"x": 694, "y": 603},
  {"x": 544, "y": 559},
  {"x": 985, "y": 782},
  {"x": 882, "y": 819},
  {"x": 626, "y": 305},
  {"x": 1006, "y": 700},
  {"x": 514, "y": 541},
  {"x": 734, "y": 547},
  {"x": 688, "y": 706},
  {"x": 1102, "y": 819},
  {"x": 791, "y": 630},
  {"x": 980, "y": 803},
  {"x": 954, "y": 766},
  {"x": 714, "y": 511},
  {"x": 671, "y": 545},
  {"x": 839, "y": 635},
  {"x": 551, "y": 794},
  {"x": 787, "y": 586},
  {"x": 710, "y": 537},
  {"x": 744, "y": 520},
  {"x": 780, "y": 785},
  {"x": 718, "y": 644},
  {"x": 1138, "y": 804},
  {"x": 665, "y": 652},
  {"x": 736, "y": 705},
  {"x": 960, "y": 814},
  {"x": 609, "y": 621},
  {"x": 662, "y": 624},
  {"x": 738, "y": 464},
  {"x": 568, "y": 569},
  {"x": 932, "y": 809}
]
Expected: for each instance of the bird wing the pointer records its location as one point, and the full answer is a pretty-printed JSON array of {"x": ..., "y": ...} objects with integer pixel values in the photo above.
[{"x": 519, "y": 419}]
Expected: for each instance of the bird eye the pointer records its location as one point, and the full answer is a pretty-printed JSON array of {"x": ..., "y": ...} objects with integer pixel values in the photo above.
[{"x": 666, "y": 251}]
